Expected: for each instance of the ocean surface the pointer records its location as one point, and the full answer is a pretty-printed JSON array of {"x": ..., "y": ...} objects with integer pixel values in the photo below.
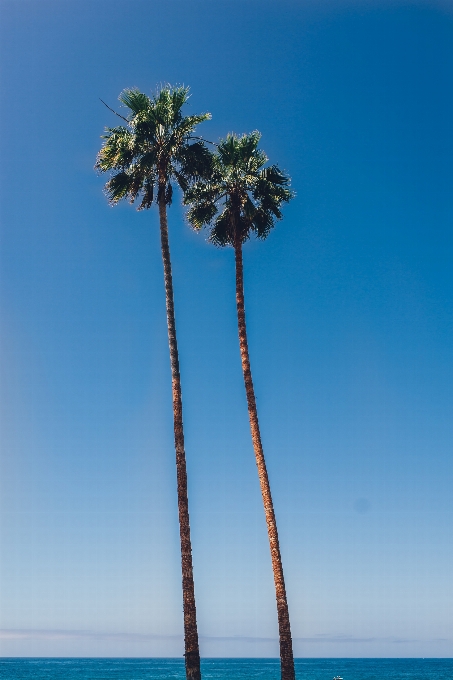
[{"x": 225, "y": 669}]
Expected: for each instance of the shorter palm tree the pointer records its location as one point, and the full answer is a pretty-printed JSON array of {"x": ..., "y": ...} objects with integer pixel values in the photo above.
[{"x": 241, "y": 198}]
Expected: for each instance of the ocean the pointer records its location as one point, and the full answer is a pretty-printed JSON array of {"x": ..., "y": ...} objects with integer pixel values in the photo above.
[{"x": 224, "y": 669}]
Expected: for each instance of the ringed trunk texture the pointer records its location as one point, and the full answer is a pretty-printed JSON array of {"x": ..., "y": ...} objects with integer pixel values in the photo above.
[
  {"x": 286, "y": 644},
  {"x": 192, "y": 652}
]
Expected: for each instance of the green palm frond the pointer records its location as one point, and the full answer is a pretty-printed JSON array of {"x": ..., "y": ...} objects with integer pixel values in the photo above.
[
  {"x": 117, "y": 150},
  {"x": 274, "y": 175},
  {"x": 182, "y": 181},
  {"x": 148, "y": 161},
  {"x": 167, "y": 105},
  {"x": 179, "y": 96},
  {"x": 119, "y": 186},
  {"x": 262, "y": 223},
  {"x": 202, "y": 192},
  {"x": 222, "y": 233},
  {"x": 195, "y": 120},
  {"x": 147, "y": 195},
  {"x": 183, "y": 129},
  {"x": 228, "y": 151},
  {"x": 195, "y": 160},
  {"x": 135, "y": 100},
  {"x": 248, "y": 148},
  {"x": 201, "y": 214},
  {"x": 248, "y": 208},
  {"x": 163, "y": 108}
]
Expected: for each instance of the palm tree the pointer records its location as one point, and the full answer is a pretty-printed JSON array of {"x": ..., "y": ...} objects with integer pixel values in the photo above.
[
  {"x": 144, "y": 156},
  {"x": 240, "y": 198}
]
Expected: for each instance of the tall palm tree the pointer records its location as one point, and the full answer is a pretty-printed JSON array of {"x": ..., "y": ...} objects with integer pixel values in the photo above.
[
  {"x": 240, "y": 198},
  {"x": 154, "y": 148}
]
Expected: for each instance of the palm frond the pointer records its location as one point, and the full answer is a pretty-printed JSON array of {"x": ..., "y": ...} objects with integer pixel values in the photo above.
[
  {"x": 147, "y": 162},
  {"x": 262, "y": 223},
  {"x": 203, "y": 191},
  {"x": 201, "y": 214},
  {"x": 147, "y": 195},
  {"x": 118, "y": 187},
  {"x": 247, "y": 146},
  {"x": 195, "y": 161},
  {"x": 167, "y": 104},
  {"x": 179, "y": 96},
  {"x": 222, "y": 232},
  {"x": 228, "y": 151},
  {"x": 182, "y": 181},
  {"x": 248, "y": 208},
  {"x": 117, "y": 151},
  {"x": 135, "y": 100},
  {"x": 275, "y": 175},
  {"x": 181, "y": 131},
  {"x": 137, "y": 181}
]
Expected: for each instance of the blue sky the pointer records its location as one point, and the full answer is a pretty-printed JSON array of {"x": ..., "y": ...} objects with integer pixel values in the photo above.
[{"x": 349, "y": 306}]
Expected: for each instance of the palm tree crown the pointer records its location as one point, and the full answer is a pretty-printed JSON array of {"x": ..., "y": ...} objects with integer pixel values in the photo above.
[
  {"x": 242, "y": 196},
  {"x": 153, "y": 148}
]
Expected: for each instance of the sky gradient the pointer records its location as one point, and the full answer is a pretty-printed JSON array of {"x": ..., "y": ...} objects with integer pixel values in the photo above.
[{"x": 349, "y": 308}]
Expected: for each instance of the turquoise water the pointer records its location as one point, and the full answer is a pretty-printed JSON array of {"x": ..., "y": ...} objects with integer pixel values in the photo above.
[{"x": 225, "y": 669}]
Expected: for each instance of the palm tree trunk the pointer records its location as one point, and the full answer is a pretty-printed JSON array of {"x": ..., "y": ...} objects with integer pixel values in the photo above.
[
  {"x": 192, "y": 652},
  {"x": 286, "y": 645}
]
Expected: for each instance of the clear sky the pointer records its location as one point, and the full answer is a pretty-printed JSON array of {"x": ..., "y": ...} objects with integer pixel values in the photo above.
[{"x": 349, "y": 307}]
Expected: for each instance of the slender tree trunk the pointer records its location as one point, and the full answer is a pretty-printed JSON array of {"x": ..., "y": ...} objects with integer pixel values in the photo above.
[
  {"x": 192, "y": 652},
  {"x": 286, "y": 645}
]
